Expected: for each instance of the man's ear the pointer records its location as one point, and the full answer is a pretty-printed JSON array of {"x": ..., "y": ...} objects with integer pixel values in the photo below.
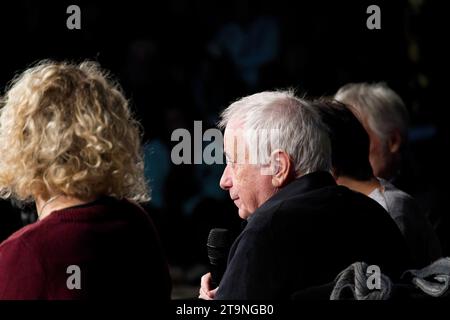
[
  {"x": 282, "y": 168},
  {"x": 395, "y": 141}
]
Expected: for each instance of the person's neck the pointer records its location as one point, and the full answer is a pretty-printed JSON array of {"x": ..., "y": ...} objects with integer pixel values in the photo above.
[
  {"x": 57, "y": 202},
  {"x": 366, "y": 187}
]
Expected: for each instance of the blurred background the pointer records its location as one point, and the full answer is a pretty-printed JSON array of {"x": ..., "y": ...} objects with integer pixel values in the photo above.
[{"x": 180, "y": 61}]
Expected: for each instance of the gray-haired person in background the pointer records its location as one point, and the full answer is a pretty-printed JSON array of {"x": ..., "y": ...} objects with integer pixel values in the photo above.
[
  {"x": 385, "y": 118},
  {"x": 351, "y": 168}
]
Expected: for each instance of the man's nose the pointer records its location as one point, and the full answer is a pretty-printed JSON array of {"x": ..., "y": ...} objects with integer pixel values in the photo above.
[{"x": 226, "y": 181}]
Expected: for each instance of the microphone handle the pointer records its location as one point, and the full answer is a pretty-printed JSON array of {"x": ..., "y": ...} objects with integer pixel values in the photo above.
[{"x": 217, "y": 271}]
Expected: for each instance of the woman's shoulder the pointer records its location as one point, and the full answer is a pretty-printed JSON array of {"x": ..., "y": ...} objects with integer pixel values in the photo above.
[
  {"x": 22, "y": 237},
  {"x": 104, "y": 207}
]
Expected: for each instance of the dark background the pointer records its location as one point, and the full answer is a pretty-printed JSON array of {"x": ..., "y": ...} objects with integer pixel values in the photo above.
[{"x": 174, "y": 61}]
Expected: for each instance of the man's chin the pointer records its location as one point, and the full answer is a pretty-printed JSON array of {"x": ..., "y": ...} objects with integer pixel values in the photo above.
[{"x": 244, "y": 214}]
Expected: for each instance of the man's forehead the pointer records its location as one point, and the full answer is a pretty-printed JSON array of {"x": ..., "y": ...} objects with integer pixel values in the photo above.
[
  {"x": 232, "y": 137},
  {"x": 233, "y": 133},
  {"x": 234, "y": 143},
  {"x": 234, "y": 130}
]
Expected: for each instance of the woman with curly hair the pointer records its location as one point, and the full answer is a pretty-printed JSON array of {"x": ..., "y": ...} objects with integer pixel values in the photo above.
[{"x": 69, "y": 143}]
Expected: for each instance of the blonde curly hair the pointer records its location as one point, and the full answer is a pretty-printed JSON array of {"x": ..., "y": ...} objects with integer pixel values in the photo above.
[{"x": 67, "y": 129}]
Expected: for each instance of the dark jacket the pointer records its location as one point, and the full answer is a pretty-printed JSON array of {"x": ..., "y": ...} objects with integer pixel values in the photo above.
[{"x": 305, "y": 235}]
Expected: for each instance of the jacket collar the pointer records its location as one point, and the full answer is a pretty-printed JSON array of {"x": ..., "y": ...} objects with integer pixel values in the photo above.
[
  {"x": 306, "y": 183},
  {"x": 303, "y": 184}
]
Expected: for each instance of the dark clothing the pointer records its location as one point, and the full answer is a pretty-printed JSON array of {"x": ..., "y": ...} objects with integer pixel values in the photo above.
[
  {"x": 113, "y": 242},
  {"x": 419, "y": 235},
  {"x": 305, "y": 235}
]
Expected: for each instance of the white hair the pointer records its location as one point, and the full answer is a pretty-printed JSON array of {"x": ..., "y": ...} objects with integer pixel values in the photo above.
[
  {"x": 384, "y": 109},
  {"x": 300, "y": 131}
]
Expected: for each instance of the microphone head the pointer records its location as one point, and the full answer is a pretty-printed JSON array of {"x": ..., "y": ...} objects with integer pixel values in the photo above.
[{"x": 218, "y": 238}]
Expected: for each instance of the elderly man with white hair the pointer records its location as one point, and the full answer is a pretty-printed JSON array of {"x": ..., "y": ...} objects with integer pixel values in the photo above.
[{"x": 302, "y": 229}]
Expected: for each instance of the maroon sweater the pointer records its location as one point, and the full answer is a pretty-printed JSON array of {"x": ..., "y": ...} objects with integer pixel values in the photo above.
[{"x": 113, "y": 242}]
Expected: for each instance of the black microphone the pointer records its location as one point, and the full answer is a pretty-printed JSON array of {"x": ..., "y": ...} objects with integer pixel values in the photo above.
[{"x": 218, "y": 247}]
